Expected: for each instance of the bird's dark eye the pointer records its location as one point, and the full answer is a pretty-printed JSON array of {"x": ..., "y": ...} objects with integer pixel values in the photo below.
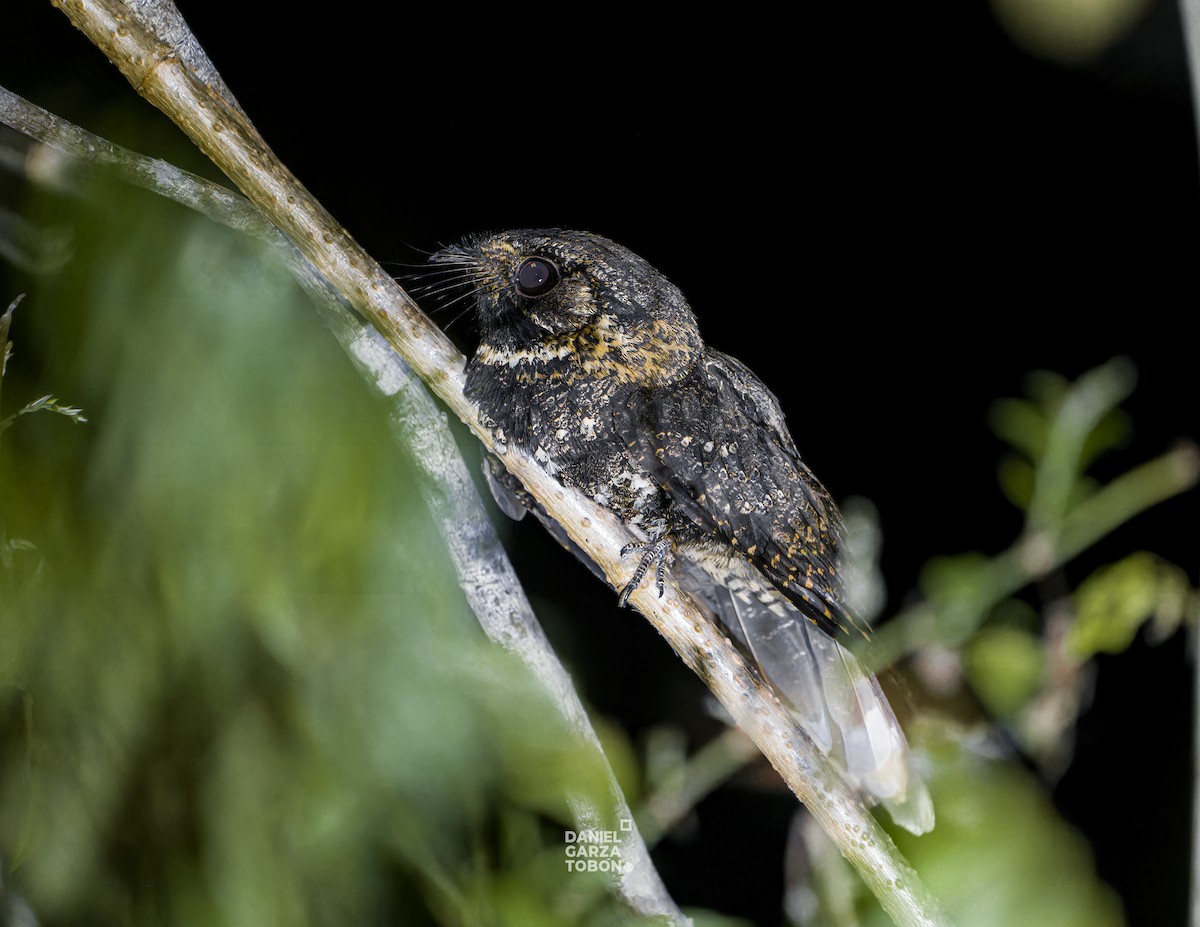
[{"x": 536, "y": 277}]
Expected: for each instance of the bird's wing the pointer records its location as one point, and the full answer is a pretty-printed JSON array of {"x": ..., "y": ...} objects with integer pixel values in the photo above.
[{"x": 741, "y": 481}]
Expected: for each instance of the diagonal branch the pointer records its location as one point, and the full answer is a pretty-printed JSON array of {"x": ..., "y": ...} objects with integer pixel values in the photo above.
[{"x": 161, "y": 72}]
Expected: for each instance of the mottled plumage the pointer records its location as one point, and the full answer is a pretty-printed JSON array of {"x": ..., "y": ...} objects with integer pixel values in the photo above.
[{"x": 593, "y": 362}]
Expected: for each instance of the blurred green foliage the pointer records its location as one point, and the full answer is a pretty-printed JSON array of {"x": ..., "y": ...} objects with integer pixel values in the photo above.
[
  {"x": 1030, "y": 670},
  {"x": 238, "y": 682},
  {"x": 1000, "y": 855},
  {"x": 1007, "y": 666}
]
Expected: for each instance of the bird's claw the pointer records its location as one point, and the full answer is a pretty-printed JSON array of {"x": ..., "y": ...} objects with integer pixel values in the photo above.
[{"x": 657, "y": 553}]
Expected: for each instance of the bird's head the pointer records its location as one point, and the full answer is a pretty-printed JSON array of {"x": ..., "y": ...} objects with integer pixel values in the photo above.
[{"x": 574, "y": 303}]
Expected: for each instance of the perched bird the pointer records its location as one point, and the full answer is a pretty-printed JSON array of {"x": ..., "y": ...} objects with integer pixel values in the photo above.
[{"x": 592, "y": 361}]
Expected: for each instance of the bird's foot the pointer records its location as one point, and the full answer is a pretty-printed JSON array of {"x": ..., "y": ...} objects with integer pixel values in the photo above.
[{"x": 656, "y": 553}]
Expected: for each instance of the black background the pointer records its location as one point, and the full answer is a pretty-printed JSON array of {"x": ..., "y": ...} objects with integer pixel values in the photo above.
[{"x": 888, "y": 211}]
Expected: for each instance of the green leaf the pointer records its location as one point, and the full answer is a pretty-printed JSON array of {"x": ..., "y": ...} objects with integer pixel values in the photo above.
[
  {"x": 1047, "y": 388},
  {"x": 1022, "y": 424},
  {"x": 1017, "y": 481},
  {"x": 1005, "y": 666},
  {"x": 1115, "y": 601},
  {"x": 45, "y": 404},
  {"x": 960, "y": 588},
  {"x": 1111, "y": 432}
]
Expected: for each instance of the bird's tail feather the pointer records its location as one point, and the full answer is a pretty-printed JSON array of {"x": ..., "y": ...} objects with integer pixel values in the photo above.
[{"x": 837, "y": 702}]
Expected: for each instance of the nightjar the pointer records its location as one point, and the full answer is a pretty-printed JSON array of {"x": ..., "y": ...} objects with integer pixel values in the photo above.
[{"x": 592, "y": 361}]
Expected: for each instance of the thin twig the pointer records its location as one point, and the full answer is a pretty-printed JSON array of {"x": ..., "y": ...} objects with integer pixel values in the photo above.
[
  {"x": 160, "y": 73},
  {"x": 707, "y": 768}
]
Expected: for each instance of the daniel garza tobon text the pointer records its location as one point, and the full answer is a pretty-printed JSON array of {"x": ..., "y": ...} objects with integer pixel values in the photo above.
[{"x": 594, "y": 850}]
